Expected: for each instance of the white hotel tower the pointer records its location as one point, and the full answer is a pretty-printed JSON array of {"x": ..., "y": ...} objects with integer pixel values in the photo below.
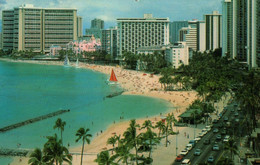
[{"x": 141, "y": 32}]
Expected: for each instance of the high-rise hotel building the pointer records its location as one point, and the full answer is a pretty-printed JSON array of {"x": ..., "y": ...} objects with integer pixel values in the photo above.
[
  {"x": 175, "y": 26},
  {"x": 28, "y": 27},
  {"x": 141, "y": 32},
  {"x": 241, "y": 28},
  {"x": 227, "y": 26},
  {"x": 213, "y": 30},
  {"x": 194, "y": 35},
  {"x": 97, "y": 23},
  {"x": 109, "y": 41}
]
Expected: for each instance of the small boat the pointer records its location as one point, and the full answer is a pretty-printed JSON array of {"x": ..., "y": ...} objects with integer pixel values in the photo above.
[
  {"x": 77, "y": 63},
  {"x": 66, "y": 61},
  {"x": 112, "y": 79}
]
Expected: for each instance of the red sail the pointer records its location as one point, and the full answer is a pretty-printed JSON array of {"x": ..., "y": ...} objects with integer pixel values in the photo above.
[{"x": 113, "y": 76}]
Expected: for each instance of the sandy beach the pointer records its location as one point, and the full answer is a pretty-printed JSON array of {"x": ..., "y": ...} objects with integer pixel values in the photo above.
[{"x": 138, "y": 83}]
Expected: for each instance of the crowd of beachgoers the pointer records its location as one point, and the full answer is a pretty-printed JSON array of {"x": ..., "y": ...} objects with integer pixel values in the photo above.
[{"x": 137, "y": 83}]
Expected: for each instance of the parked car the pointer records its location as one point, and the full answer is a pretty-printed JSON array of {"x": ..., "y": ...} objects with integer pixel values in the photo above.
[
  {"x": 197, "y": 152},
  {"x": 215, "y": 147},
  {"x": 193, "y": 142},
  {"x": 207, "y": 141},
  {"x": 211, "y": 159},
  {"x": 184, "y": 152},
  {"x": 179, "y": 158},
  {"x": 186, "y": 162},
  {"x": 218, "y": 137},
  {"x": 189, "y": 147},
  {"x": 201, "y": 134},
  {"x": 204, "y": 130},
  {"x": 197, "y": 139},
  {"x": 208, "y": 127},
  {"x": 215, "y": 130},
  {"x": 226, "y": 138}
]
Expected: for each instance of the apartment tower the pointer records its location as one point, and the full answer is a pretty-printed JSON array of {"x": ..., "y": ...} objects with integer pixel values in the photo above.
[
  {"x": 96, "y": 28},
  {"x": 31, "y": 28},
  {"x": 241, "y": 27},
  {"x": 227, "y": 28},
  {"x": 213, "y": 30},
  {"x": 175, "y": 26},
  {"x": 109, "y": 41},
  {"x": 79, "y": 26},
  {"x": 139, "y": 32},
  {"x": 97, "y": 23},
  {"x": 194, "y": 35}
]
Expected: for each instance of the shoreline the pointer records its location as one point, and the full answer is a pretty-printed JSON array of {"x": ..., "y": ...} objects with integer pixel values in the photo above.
[{"x": 134, "y": 83}]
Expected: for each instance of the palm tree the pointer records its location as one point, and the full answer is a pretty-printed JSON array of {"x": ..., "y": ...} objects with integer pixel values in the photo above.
[
  {"x": 55, "y": 152},
  {"x": 112, "y": 141},
  {"x": 168, "y": 128},
  {"x": 160, "y": 125},
  {"x": 60, "y": 125},
  {"x": 84, "y": 135},
  {"x": 147, "y": 124},
  {"x": 119, "y": 140},
  {"x": 131, "y": 137},
  {"x": 170, "y": 120},
  {"x": 152, "y": 139},
  {"x": 105, "y": 159},
  {"x": 123, "y": 152},
  {"x": 37, "y": 158},
  {"x": 232, "y": 147}
]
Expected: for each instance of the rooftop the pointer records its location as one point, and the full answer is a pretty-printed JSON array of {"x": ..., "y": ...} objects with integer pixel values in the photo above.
[
  {"x": 31, "y": 6},
  {"x": 147, "y": 17}
]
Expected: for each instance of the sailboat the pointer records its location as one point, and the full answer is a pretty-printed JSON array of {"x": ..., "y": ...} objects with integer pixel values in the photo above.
[
  {"x": 66, "y": 61},
  {"x": 77, "y": 63},
  {"x": 112, "y": 79}
]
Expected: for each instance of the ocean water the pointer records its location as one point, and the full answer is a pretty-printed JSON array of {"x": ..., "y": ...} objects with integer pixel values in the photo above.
[{"x": 31, "y": 90}]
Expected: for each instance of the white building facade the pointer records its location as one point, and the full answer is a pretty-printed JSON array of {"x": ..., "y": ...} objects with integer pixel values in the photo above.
[
  {"x": 139, "y": 32},
  {"x": 178, "y": 54},
  {"x": 213, "y": 30},
  {"x": 34, "y": 28},
  {"x": 194, "y": 35}
]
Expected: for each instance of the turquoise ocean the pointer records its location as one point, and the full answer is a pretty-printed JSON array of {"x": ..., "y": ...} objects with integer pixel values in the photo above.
[{"x": 32, "y": 90}]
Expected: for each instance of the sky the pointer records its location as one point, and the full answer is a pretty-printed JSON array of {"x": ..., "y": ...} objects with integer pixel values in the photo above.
[{"x": 110, "y": 10}]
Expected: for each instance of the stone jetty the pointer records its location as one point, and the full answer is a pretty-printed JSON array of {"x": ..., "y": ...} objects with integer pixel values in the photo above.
[
  {"x": 33, "y": 120},
  {"x": 114, "y": 94},
  {"x": 13, "y": 152}
]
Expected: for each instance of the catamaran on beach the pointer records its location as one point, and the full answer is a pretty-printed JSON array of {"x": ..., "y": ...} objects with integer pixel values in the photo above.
[{"x": 112, "y": 79}]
